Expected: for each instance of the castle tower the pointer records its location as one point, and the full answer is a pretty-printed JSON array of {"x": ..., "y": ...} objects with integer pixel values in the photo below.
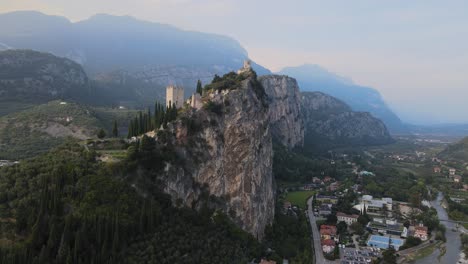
[
  {"x": 174, "y": 95},
  {"x": 246, "y": 67}
]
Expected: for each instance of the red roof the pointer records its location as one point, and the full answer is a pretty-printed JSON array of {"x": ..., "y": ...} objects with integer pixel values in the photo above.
[
  {"x": 328, "y": 230},
  {"x": 421, "y": 229},
  {"x": 328, "y": 242}
]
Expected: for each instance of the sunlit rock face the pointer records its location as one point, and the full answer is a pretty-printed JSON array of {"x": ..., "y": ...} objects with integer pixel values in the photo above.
[
  {"x": 287, "y": 125},
  {"x": 226, "y": 153}
]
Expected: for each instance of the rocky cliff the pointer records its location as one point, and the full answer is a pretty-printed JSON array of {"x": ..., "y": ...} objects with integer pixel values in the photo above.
[
  {"x": 287, "y": 125},
  {"x": 331, "y": 122},
  {"x": 27, "y": 75},
  {"x": 224, "y": 153}
]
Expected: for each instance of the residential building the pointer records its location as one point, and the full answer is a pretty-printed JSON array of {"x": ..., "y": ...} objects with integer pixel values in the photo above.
[
  {"x": 327, "y": 179},
  {"x": 437, "y": 169},
  {"x": 457, "y": 178},
  {"x": 328, "y": 246},
  {"x": 327, "y": 232},
  {"x": 334, "y": 186},
  {"x": 421, "y": 232},
  {"x": 264, "y": 261},
  {"x": 348, "y": 219},
  {"x": 325, "y": 209},
  {"x": 327, "y": 199},
  {"x": 452, "y": 171}
]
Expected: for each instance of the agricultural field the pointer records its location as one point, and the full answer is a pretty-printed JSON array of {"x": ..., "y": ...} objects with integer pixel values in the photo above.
[{"x": 299, "y": 198}]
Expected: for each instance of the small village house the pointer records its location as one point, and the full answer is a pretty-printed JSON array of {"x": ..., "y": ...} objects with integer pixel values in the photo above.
[
  {"x": 327, "y": 232},
  {"x": 328, "y": 246},
  {"x": 421, "y": 232}
]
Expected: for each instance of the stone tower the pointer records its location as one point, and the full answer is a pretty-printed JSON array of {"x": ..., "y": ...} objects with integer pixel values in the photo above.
[
  {"x": 246, "y": 67},
  {"x": 174, "y": 95}
]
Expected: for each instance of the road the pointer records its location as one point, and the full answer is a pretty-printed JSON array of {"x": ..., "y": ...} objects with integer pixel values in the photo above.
[{"x": 319, "y": 258}]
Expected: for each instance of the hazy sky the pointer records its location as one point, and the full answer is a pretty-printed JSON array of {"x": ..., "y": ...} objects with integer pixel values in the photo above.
[{"x": 415, "y": 52}]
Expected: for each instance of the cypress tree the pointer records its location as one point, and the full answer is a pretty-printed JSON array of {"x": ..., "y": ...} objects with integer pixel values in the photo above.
[
  {"x": 140, "y": 123},
  {"x": 115, "y": 130},
  {"x": 199, "y": 87}
]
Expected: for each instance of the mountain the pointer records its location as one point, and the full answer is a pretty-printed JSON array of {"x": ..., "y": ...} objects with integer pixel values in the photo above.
[
  {"x": 286, "y": 118},
  {"x": 30, "y": 77},
  {"x": 317, "y": 121},
  {"x": 37, "y": 129},
  {"x": 330, "y": 123},
  {"x": 360, "y": 98},
  {"x": 457, "y": 151},
  {"x": 138, "y": 55},
  {"x": 225, "y": 148}
]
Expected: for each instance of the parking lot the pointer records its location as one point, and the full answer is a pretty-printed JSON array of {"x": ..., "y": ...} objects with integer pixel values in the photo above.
[{"x": 362, "y": 256}]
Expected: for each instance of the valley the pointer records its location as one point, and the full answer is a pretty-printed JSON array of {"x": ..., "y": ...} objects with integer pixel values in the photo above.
[{"x": 126, "y": 141}]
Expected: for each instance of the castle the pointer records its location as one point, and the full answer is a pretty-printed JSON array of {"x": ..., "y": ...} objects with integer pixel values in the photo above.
[
  {"x": 246, "y": 68},
  {"x": 174, "y": 95}
]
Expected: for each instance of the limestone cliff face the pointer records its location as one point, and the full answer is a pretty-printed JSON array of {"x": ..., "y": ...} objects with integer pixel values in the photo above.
[
  {"x": 287, "y": 125},
  {"x": 330, "y": 121},
  {"x": 225, "y": 156}
]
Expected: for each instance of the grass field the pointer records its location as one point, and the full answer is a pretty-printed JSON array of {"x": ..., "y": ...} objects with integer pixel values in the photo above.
[{"x": 299, "y": 198}]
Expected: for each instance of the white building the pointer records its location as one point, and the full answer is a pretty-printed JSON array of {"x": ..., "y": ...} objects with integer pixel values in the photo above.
[{"x": 348, "y": 219}]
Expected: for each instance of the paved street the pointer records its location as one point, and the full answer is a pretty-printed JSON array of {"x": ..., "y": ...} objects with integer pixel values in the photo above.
[{"x": 319, "y": 258}]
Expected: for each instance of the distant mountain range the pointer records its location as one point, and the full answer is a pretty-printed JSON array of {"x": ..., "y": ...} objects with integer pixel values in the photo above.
[
  {"x": 135, "y": 57},
  {"x": 131, "y": 61},
  {"x": 359, "y": 98}
]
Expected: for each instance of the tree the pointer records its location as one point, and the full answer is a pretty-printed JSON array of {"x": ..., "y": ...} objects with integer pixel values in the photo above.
[
  {"x": 199, "y": 87},
  {"x": 357, "y": 228},
  {"x": 115, "y": 129},
  {"x": 101, "y": 133},
  {"x": 389, "y": 256}
]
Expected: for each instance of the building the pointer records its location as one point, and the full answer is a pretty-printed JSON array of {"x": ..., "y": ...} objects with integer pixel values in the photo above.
[
  {"x": 373, "y": 206},
  {"x": 327, "y": 232},
  {"x": 452, "y": 171},
  {"x": 195, "y": 101},
  {"x": 246, "y": 67},
  {"x": 437, "y": 169},
  {"x": 348, "y": 219},
  {"x": 420, "y": 232},
  {"x": 174, "y": 95},
  {"x": 264, "y": 261},
  {"x": 325, "y": 209},
  {"x": 327, "y": 199},
  {"x": 386, "y": 226},
  {"x": 328, "y": 179},
  {"x": 328, "y": 246},
  {"x": 457, "y": 178},
  {"x": 333, "y": 186}
]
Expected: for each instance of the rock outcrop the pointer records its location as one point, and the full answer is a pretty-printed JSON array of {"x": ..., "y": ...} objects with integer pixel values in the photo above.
[
  {"x": 331, "y": 122},
  {"x": 225, "y": 155},
  {"x": 286, "y": 119}
]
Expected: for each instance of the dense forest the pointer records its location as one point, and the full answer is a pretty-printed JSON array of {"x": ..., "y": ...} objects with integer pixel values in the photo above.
[{"x": 65, "y": 207}]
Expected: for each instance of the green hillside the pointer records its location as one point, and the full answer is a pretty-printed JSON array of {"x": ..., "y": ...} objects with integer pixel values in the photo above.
[
  {"x": 37, "y": 129},
  {"x": 457, "y": 151}
]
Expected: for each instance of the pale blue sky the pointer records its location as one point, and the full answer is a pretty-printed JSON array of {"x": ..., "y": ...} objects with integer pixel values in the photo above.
[{"x": 415, "y": 52}]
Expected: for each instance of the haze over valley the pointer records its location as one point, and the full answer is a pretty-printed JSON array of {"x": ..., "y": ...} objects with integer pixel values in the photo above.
[{"x": 233, "y": 132}]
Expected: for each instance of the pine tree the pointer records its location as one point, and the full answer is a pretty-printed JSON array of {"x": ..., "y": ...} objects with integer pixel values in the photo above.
[
  {"x": 115, "y": 130},
  {"x": 199, "y": 87}
]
